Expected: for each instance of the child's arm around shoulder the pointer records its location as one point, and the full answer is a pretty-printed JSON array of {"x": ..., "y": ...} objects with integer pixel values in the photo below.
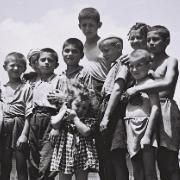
[{"x": 166, "y": 81}]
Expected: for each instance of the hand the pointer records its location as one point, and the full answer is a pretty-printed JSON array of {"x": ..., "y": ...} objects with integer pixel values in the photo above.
[
  {"x": 104, "y": 123},
  {"x": 53, "y": 135},
  {"x": 72, "y": 114},
  {"x": 124, "y": 59},
  {"x": 21, "y": 141},
  {"x": 131, "y": 91},
  {"x": 145, "y": 142},
  {"x": 56, "y": 97}
]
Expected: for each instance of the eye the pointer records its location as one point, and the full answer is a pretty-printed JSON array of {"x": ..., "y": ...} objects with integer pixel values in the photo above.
[
  {"x": 66, "y": 50},
  {"x": 42, "y": 59}
]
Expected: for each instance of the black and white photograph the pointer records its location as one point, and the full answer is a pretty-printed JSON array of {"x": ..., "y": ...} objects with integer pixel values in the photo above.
[{"x": 89, "y": 90}]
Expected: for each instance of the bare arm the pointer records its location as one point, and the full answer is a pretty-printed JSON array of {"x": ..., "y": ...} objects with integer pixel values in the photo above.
[
  {"x": 81, "y": 127},
  {"x": 160, "y": 84},
  {"x": 57, "y": 119},
  {"x": 113, "y": 101}
]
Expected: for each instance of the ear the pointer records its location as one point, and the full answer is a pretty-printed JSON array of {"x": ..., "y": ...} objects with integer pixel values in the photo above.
[
  {"x": 99, "y": 24},
  {"x": 57, "y": 64},
  {"x": 4, "y": 66},
  {"x": 167, "y": 41},
  {"x": 82, "y": 55}
]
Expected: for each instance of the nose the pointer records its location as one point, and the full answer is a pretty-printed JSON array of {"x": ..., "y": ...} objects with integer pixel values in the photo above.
[
  {"x": 69, "y": 53},
  {"x": 15, "y": 67},
  {"x": 151, "y": 42}
]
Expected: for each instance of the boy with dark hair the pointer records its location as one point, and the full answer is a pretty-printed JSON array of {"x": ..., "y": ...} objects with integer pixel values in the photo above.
[
  {"x": 89, "y": 23},
  {"x": 41, "y": 133},
  {"x": 166, "y": 74}
]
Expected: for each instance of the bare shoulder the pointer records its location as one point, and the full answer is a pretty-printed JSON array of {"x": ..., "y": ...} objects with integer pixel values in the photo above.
[{"x": 172, "y": 61}]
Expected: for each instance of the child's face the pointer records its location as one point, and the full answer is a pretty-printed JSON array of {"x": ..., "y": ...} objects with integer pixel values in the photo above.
[
  {"x": 14, "y": 67},
  {"x": 138, "y": 68},
  {"x": 81, "y": 107},
  {"x": 71, "y": 55},
  {"x": 46, "y": 63},
  {"x": 137, "y": 40},
  {"x": 155, "y": 43},
  {"x": 33, "y": 62},
  {"x": 89, "y": 27},
  {"x": 110, "y": 52}
]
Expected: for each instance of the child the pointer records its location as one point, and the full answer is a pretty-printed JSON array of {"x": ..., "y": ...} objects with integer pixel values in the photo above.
[
  {"x": 40, "y": 129},
  {"x": 89, "y": 23},
  {"x": 137, "y": 37},
  {"x": 75, "y": 150},
  {"x": 17, "y": 108},
  {"x": 114, "y": 137},
  {"x": 32, "y": 56},
  {"x": 166, "y": 75},
  {"x": 141, "y": 119}
]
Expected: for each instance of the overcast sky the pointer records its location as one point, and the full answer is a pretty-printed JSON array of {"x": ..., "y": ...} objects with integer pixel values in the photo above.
[{"x": 26, "y": 24}]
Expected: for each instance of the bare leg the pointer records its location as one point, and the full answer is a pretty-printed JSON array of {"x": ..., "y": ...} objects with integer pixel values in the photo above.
[
  {"x": 81, "y": 175},
  {"x": 21, "y": 165},
  {"x": 137, "y": 164},
  {"x": 149, "y": 163}
]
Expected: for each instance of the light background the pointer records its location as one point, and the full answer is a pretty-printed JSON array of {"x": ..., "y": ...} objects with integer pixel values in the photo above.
[{"x": 26, "y": 24}]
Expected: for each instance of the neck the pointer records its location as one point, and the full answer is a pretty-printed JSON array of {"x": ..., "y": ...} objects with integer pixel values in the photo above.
[
  {"x": 92, "y": 40},
  {"x": 14, "y": 80},
  {"x": 44, "y": 77},
  {"x": 140, "y": 81},
  {"x": 72, "y": 68}
]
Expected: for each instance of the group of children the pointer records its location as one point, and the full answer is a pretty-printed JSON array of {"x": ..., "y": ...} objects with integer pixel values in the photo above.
[{"x": 87, "y": 118}]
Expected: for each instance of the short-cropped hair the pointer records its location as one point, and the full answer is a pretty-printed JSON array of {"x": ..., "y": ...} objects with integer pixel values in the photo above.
[
  {"x": 18, "y": 56},
  {"x": 52, "y": 52},
  {"x": 89, "y": 13},
  {"x": 115, "y": 38},
  {"x": 77, "y": 43},
  {"x": 161, "y": 30},
  {"x": 141, "y": 54}
]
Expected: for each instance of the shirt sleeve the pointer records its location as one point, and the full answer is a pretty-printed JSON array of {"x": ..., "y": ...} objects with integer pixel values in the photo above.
[
  {"x": 122, "y": 73},
  {"x": 28, "y": 100}
]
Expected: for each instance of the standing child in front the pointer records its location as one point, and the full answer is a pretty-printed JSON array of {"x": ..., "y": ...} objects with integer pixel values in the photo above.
[
  {"x": 141, "y": 118},
  {"x": 17, "y": 108},
  {"x": 75, "y": 151},
  {"x": 166, "y": 74},
  {"x": 41, "y": 131}
]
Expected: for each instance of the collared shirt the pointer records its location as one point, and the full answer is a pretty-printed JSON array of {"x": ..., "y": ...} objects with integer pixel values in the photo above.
[
  {"x": 42, "y": 89},
  {"x": 79, "y": 75},
  {"x": 17, "y": 102},
  {"x": 117, "y": 71}
]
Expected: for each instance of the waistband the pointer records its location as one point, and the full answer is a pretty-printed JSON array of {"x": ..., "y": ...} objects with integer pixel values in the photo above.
[{"x": 45, "y": 110}]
